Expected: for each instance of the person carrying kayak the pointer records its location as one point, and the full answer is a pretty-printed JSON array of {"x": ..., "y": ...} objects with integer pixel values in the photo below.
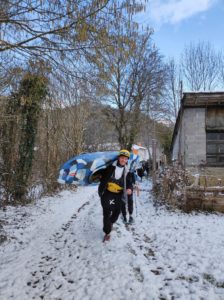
[{"x": 115, "y": 184}]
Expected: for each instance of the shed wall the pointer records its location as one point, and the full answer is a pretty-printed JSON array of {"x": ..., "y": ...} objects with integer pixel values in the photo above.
[{"x": 194, "y": 136}]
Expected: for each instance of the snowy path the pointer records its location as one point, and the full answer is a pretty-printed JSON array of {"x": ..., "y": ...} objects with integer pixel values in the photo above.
[{"x": 57, "y": 252}]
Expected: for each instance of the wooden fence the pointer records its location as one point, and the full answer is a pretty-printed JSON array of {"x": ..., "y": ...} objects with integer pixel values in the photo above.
[{"x": 204, "y": 197}]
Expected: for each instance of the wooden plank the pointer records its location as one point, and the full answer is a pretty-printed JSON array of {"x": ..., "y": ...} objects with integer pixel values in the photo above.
[{"x": 218, "y": 189}]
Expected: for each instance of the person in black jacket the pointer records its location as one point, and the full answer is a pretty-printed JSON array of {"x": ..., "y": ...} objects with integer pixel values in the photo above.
[
  {"x": 129, "y": 204},
  {"x": 115, "y": 183}
]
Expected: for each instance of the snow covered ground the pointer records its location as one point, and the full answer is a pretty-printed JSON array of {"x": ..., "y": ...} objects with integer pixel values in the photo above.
[{"x": 55, "y": 251}]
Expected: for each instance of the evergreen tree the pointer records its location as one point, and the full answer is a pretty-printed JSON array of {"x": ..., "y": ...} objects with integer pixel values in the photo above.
[{"x": 24, "y": 108}]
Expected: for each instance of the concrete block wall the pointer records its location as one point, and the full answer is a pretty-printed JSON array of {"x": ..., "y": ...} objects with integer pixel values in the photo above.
[
  {"x": 176, "y": 147},
  {"x": 194, "y": 136}
]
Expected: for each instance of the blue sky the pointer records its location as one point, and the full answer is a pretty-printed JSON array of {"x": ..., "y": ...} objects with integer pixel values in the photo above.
[{"x": 179, "y": 22}]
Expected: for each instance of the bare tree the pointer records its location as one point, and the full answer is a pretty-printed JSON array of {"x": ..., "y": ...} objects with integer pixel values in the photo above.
[
  {"x": 62, "y": 33},
  {"x": 201, "y": 66},
  {"x": 48, "y": 25},
  {"x": 222, "y": 71},
  {"x": 174, "y": 87},
  {"x": 45, "y": 27},
  {"x": 61, "y": 37},
  {"x": 127, "y": 73}
]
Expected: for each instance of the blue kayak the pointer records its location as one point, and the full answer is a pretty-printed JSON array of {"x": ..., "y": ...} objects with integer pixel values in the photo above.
[{"x": 84, "y": 168}]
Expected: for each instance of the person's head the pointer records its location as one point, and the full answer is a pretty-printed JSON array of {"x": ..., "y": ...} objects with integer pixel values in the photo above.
[{"x": 123, "y": 157}]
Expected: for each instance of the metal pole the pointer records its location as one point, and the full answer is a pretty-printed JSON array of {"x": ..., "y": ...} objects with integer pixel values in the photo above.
[
  {"x": 135, "y": 203},
  {"x": 154, "y": 162}
]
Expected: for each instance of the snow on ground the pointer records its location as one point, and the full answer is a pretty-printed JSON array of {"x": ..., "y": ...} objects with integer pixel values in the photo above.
[{"x": 55, "y": 251}]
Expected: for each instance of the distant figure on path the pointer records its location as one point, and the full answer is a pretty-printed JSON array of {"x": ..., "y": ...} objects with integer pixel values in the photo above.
[
  {"x": 129, "y": 205},
  {"x": 140, "y": 172}
]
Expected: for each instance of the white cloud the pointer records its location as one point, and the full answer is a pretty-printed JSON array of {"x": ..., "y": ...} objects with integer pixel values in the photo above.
[{"x": 174, "y": 11}]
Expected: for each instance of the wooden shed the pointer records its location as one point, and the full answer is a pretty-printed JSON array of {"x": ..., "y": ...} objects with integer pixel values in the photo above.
[
  {"x": 198, "y": 137},
  {"x": 198, "y": 146}
]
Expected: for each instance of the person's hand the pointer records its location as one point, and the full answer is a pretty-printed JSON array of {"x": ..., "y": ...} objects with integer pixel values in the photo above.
[{"x": 129, "y": 191}]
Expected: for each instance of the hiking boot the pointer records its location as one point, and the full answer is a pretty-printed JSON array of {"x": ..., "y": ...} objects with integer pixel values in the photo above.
[
  {"x": 131, "y": 219},
  {"x": 125, "y": 220},
  {"x": 106, "y": 238}
]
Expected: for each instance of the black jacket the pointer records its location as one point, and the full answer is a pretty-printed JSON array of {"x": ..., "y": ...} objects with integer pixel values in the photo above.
[{"x": 105, "y": 176}]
